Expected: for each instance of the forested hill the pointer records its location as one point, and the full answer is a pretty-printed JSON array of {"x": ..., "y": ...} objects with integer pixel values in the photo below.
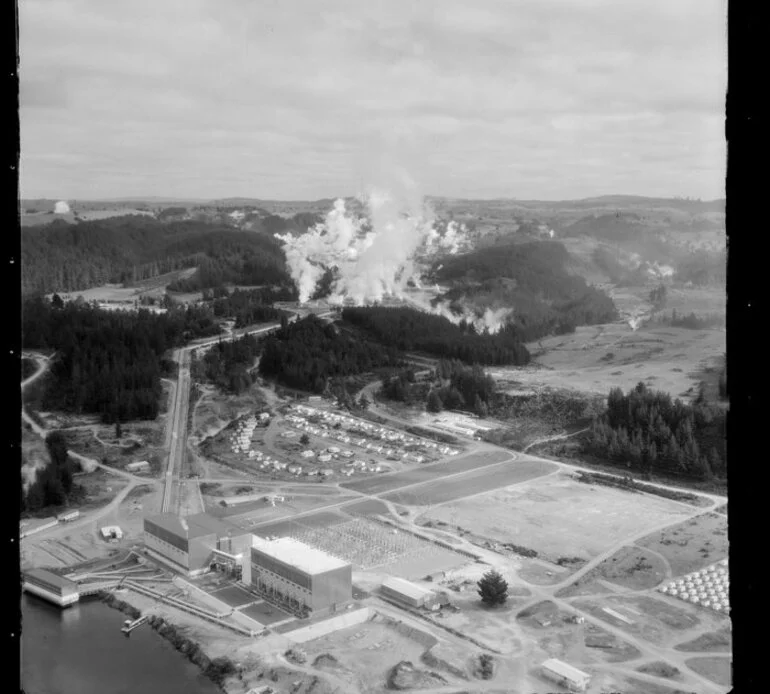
[
  {"x": 64, "y": 258},
  {"x": 108, "y": 362},
  {"x": 409, "y": 329},
  {"x": 531, "y": 278},
  {"x": 308, "y": 353}
]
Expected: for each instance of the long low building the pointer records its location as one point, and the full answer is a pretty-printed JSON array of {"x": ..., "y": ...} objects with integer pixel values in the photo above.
[
  {"x": 566, "y": 675},
  {"x": 52, "y": 587},
  {"x": 192, "y": 544},
  {"x": 408, "y": 593},
  {"x": 299, "y": 577}
]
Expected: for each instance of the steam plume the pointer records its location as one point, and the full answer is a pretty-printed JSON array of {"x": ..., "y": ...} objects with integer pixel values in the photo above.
[
  {"x": 61, "y": 207},
  {"x": 374, "y": 255}
]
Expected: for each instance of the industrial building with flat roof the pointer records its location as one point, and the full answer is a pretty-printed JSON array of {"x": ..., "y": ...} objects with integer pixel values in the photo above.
[
  {"x": 408, "y": 593},
  {"x": 564, "y": 674},
  {"x": 51, "y": 586},
  {"x": 300, "y": 578},
  {"x": 192, "y": 544}
]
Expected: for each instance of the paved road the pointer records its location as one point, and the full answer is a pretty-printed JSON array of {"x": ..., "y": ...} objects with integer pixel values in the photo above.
[{"x": 176, "y": 434}]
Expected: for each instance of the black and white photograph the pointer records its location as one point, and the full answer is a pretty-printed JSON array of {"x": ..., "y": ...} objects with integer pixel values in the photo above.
[{"x": 373, "y": 346}]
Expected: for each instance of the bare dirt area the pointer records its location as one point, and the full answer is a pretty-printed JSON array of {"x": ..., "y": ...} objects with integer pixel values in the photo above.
[
  {"x": 216, "y": 410},
  {"x": 556, "y": 634},
  {"x": 557, "y": 517},
  {"x": 691, "y": 545},
  {"x": 633, "y": 568},
  {"x": 718, "y": 670},
  {"x": 366, "y": 653},
  {"x": 138, "y": 442},
  {"x": 667, "y": 359}
]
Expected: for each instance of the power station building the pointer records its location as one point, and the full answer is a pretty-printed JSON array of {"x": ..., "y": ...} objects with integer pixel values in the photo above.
[
  {"x": 300, "y": 578},
  {"x": 192, "y": 544}
]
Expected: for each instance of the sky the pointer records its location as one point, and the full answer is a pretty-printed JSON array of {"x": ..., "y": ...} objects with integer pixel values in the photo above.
[{"x": 291, "y": 100}]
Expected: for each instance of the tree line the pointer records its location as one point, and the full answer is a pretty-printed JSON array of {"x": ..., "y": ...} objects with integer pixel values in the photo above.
[
  {"x": 247, "y": 307},
  {"x": 691, "y": 321},
  {"x": 532, "y": 278},
  {"x": 228, "y": 364},
  {"x": 54, "y": 484},
  {"x": 108, "y": 362},
  {"x": 648, "y": 432},
  {"x": 408, "y": 329},
  {"x": 61, "y": 257},
  {"x": 307, "y": 353}
]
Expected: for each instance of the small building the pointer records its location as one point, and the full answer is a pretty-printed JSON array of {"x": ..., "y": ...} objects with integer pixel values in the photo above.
[
  {"x": 299, "y": 577},
  {"x": 325, "y": 458},
  {"x": 54, "y": 588},
  {"x": 138, "y": 466},
  {"x": 408, "y": 593},
  {"x": 326, "y": 472},
  {"x": 111, "y": 533},
  {"x": 307, "y": 454},
  {"x": 68, "y": 516},
  {"x": 567, "y": 676}
]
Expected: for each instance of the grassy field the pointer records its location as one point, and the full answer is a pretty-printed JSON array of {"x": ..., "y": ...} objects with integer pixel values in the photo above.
[
  {"x": 630, "y": 567},
  {"x": 668, "y": 359},
  {"x": 659, "y": 622},
  {"x": 691, "y": 545},
  {"x": 718, "y": 670},
  {"x": 424, "y": 473},
  {"x": 557, "y": 516},
  {"x": 470, "y": 483}
]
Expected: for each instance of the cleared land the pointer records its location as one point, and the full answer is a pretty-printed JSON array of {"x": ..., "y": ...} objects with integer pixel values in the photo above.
[
  {"x": 657, "y": 621},
  {"x": 718, "y": 670},
  {"x": 557, "y": 516},
  {"x": 668, "y": 359},
  {"x": 691, "y": 545},
  {"x": 470, "y": 483},
  {"x": 630, "y": 567},
  {"x": 385, "y": 483}
]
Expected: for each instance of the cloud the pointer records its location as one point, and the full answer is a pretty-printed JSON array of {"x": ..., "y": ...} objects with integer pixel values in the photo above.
[{"x": 290, "y": 99}]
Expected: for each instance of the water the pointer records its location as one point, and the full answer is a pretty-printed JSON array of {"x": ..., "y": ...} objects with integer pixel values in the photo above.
[{"x": 81, "y": 650}]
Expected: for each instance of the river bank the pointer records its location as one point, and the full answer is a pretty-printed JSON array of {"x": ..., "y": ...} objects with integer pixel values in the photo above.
[{"x": 81, "y": 650}]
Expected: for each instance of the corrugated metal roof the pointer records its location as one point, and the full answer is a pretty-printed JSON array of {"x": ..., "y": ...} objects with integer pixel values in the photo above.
[
  {"x": 565, "y": 670},
  {"x": 295, "y": 553},
  {"x": 407, "y": 588}
]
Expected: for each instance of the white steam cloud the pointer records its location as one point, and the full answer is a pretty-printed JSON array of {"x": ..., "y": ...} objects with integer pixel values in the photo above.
[
  {"x": 377, "y": 254},
  {"x": 61, "y": 207},
  {"x": 373, "y": 256}
]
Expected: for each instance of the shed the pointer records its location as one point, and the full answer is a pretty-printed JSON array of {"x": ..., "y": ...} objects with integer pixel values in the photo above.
[
  {"x": 138, "y": 466},
  {"x": 405, "y": 591},
  {"x": 564, "y": 674}
]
